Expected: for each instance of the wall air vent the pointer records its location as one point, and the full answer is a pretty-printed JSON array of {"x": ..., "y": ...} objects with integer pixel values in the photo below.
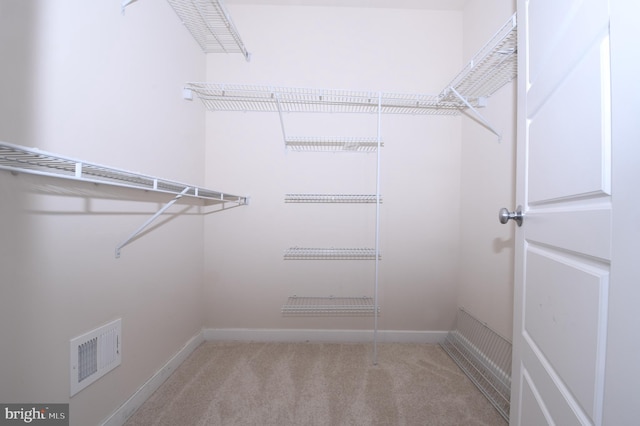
[{"x": 94, "y": 354}]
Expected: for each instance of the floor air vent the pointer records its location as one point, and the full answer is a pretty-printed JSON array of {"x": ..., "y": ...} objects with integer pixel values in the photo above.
[
  {"x": 484, "y": 356},
  {"x": 94, "y": 354}
]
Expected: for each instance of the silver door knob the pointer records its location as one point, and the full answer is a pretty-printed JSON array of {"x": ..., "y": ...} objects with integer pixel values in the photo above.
[{"x": 504, "y": 215}]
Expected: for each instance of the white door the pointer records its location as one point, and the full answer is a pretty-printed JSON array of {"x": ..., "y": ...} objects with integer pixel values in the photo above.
[{"x": 563, "y": 248}]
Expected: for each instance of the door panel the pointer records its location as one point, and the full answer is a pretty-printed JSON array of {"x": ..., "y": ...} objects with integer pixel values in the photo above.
[
  {"x": 553, "y": 398},
  {"x": 582, "y": 231},
  {"x": 563, "y": 315},
  {"x": 532, "y": 405},
  {"x": 559, "y": 34},
  {"x": 571, "y": 130}
]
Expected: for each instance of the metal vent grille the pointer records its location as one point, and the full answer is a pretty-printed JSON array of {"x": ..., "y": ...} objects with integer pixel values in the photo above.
[
  {"x": 87, "y": 359},
  {"x": 94, "y": 354}
]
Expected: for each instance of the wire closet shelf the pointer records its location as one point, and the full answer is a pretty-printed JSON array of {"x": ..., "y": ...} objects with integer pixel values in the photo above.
[
  {"x": 327, "y": 306},
  {"x": 238, "y": 97},
  {"x": 19, "y": 159},
  {"x": 210, "y": 25},
  {"x": 331, "y": 198},
  {"x": 484, "y": 356},
  {"x": 493, "y": 66},
  {"x": 304, "y": 253}
]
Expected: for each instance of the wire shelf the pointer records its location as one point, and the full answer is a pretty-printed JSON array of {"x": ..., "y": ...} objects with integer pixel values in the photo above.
[
  {"x": 210, "y": 25},
  {"x": 299, "y": 253},
  {"x": 484, "y": 356},
  {"x": 18, "y": 159},
  {"x": 493, "y": 66},
  {"x": 332, "y": 144},
  {"x": 331, "y": 198},
  {"x": 234, "y": 97},
  {"x": 329, "y": 306}
]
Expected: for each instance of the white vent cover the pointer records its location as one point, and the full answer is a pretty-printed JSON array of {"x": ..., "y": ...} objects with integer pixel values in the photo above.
[{"x": 94, "y": 354}]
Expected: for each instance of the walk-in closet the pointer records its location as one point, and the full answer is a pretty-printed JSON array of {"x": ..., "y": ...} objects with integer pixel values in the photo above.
[{"x": 183, "y": 173}]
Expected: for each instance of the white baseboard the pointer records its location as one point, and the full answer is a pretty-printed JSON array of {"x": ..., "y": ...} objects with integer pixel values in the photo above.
[
  {"x": 300, "y": 335},
  {"x": 120, "y": 416}
]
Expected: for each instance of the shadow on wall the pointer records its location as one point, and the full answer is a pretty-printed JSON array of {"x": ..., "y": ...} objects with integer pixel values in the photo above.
[{"x": 501, "y": 244}]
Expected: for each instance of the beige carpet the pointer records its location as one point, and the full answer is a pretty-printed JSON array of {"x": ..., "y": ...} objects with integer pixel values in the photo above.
[{"x": 240, "y": 383}]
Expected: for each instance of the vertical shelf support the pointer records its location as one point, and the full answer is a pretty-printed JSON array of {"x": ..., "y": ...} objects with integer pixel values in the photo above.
[
  {"x": 148, "y": 221},
  {"x": 377, "y": 258},
  {"x": 284, "y": 133},
  {"x": 476, "y": 112}
]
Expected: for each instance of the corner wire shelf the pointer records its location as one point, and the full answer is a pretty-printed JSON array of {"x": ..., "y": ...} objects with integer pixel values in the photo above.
[
  {"x": 493, "y": 66},
  {"x": 19, "y": 159},
  {"x": 331, "y": 198},
  {"x": 329, "y": 306},
  {"x": 210, "y": 25},
  {"x": 304, "y": 253},
  {"x": 484, "y": 356}
]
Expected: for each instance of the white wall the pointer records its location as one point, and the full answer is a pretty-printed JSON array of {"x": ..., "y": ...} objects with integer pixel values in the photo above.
[
  {"x": 246, "y": 279},
  {"x": 487, "y": 184},
  {"x": 82, "y": 80}
]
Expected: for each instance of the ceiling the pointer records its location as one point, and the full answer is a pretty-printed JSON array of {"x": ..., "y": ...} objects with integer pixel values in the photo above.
[{"x": 392, "y": 4}]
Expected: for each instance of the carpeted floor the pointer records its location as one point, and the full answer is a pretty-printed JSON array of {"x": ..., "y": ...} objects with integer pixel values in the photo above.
[{"x": 251, "y": 383}]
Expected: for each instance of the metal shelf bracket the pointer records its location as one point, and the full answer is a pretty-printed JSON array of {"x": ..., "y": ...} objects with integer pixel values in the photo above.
[
  {"x": 149, "y": 221},
  {"x": 480, "y": 117},
  {"x": 124, "y": 4}
]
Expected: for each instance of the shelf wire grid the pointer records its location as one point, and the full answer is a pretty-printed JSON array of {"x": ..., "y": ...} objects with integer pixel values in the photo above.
[
  {"x": 18, "y": 159},
  {"x": 331, "y": 198},
  {"x": 329, "y": 306},
  {"x": 485, "y": 358},
  {"x": 234, "y": 97},
  {"x": 493, "y": 66},
  {"x": 210, "y": 25},
  {"x": 300, "y": 253}
]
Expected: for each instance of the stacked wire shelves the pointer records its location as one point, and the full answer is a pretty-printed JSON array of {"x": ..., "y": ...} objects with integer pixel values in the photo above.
[
  {"x": 320, "y": 101},
  {"x": 244, "y": 98}
]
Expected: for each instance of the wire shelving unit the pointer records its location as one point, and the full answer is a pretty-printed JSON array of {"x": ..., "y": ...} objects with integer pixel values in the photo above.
[{"x": 20, "y": 159}]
